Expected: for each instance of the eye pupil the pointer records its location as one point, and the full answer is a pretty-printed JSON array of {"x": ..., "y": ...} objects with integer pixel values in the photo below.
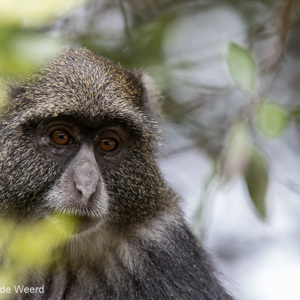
[
  {"x": 108, "y": 144},
  {"x": 60, "y": 137}
]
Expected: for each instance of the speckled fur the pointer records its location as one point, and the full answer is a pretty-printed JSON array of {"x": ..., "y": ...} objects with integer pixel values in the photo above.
[{"x": 142, "y": 249}]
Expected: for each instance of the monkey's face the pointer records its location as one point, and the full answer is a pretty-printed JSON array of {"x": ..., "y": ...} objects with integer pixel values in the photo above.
[
  {"x": 79, "y": 141},
  {"x": 81, "y": 189}
]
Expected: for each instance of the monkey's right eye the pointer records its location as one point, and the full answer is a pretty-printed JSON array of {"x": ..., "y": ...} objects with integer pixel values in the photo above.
[{"x": 61, "y": 137}]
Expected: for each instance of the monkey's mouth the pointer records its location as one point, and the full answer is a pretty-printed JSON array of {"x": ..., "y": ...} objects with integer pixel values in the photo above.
[
  {"x": 78, "y": 220},
  {"x": 81, "y": 212}
]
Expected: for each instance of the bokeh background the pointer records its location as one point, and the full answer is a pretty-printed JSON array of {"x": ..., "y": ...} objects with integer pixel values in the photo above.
[{"x": 229, "y": 76}]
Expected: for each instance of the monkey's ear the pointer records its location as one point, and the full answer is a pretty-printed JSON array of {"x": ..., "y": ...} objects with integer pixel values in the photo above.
[
  {"x": 152, "y": 97},
  {"x": 10, "y": 88},
  {"x": 16, "y": 91}
]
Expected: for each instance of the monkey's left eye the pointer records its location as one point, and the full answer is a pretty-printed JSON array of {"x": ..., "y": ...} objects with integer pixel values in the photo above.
[
  {"x": 108, "y": 144},
  {"x": 61, "y": 137}
]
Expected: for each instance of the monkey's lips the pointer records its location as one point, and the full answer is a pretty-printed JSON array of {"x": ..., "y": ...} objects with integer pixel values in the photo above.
[{"x": 76, "y": 220}]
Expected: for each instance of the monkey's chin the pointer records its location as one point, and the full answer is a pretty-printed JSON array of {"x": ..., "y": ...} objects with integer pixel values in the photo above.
[{"x": 86, "y": 223}]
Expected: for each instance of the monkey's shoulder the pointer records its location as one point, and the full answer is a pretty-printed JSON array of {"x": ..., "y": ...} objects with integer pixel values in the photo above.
[{"x": 175, "y": 267}]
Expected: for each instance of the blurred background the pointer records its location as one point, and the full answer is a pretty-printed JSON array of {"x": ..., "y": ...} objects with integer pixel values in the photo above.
[{"x": 229, "y": 76}]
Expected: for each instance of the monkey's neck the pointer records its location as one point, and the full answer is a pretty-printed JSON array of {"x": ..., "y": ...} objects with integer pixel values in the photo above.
[
  {"x": 110, "y": 251},
  {"x": 157, "y": 261}
]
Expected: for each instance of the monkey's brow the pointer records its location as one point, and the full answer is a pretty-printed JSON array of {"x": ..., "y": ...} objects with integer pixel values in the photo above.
[{"x": 135, "y": 121}]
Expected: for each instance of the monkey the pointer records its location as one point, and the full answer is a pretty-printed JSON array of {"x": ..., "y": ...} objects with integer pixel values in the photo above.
[{"x": 81, "y": 137}]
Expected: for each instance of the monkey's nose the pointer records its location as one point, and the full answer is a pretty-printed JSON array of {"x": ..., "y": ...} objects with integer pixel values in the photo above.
[{"x": 86, "y": 179}]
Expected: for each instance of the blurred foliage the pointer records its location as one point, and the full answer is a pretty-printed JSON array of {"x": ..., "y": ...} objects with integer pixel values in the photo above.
[
  {"x": 32, "y": 246},
  {"x": 23, "y": 42},
  {"x": 241, "y": 157}
]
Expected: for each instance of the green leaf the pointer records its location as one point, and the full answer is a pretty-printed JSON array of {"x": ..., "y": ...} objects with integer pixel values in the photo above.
[
  {"x": 238, "y": 149},
  {"x": 272, "y": 119},
  {"x": 256, "y": 177},
  {"x": 242, "y": 67}
]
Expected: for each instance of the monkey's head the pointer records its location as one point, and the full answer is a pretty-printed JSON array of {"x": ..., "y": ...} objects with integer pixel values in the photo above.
[{"x": 80, "y": 139}]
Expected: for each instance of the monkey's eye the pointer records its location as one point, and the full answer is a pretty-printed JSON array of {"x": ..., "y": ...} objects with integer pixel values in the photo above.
[
  {"x": 61, "y": 137},
  {"x": 108, "y": 144}
]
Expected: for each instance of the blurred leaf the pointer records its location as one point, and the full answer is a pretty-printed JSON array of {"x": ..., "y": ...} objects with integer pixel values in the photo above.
[
  {"x": 60, "y": 227},
  {"x": 21, "y": 51},
  {"x": 28, "y": 248},
  {"x": 31, "y": 245},
  {"x": 256, "y": 177},
  {"x": 237, "y": 152},
  {"x": 272, "y": 119},
  {"x": 16, "y": 11},
  {"x": 241, "y": 65}
]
